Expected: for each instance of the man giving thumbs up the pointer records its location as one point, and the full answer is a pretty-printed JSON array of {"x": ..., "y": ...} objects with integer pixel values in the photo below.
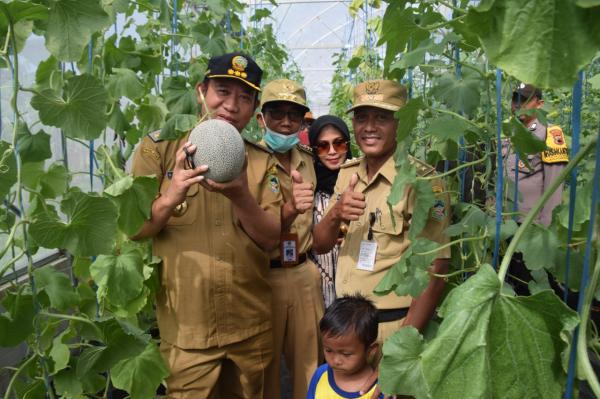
[{"x": 376, "y": 236}]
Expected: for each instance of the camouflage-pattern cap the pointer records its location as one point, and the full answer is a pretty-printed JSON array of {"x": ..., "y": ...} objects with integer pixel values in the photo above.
[
  {"x": 384, "y": 94},
  {"x": 284, "y": 90},
  {"x": 236, "y": 66}
]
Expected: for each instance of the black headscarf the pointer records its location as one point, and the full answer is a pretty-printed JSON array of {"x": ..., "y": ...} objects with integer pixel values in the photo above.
[{"x": 325, "y": 177}]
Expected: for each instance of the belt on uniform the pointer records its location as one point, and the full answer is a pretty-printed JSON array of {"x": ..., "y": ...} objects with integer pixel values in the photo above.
[
  {"x": 276, "y": 263},
  {"x": 385, "y": 315}
]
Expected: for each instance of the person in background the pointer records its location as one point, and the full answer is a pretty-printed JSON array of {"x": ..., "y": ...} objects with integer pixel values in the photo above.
[
  {"x": 330, "y": 141},
  {"x": 303, "y": 134},
  {"x": 349, "y": 333},
  {"x": 294, "y": 279}
]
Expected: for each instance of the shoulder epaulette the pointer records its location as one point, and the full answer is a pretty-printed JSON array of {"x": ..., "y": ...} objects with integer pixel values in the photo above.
[
  {"x": 305, "y": 148},
  {"x": 423, "y": 169},
  {"x": 351, "y": 162},
  {"x": 258, "y": 145},
  {"x": 155, "y": 136}
]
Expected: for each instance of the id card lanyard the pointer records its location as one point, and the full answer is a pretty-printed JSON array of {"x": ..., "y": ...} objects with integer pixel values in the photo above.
[{"x": 368, "y": 248}]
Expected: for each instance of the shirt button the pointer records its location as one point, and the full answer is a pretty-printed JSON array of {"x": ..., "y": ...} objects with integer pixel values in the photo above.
[
  {"x": 218, "y": 258},
  {"x": 358, "y": 224},
  {"x": 218, "y": 222},
  {"x": 345, "y": 281}
]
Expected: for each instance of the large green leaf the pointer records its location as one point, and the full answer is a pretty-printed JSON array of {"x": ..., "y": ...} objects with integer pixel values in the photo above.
[
  {"x": 140, "y": 375},
  {"x": 521, "y": 138},
  {"x": 134, "y": 197},
  {"x": 488, "y": 346},
  {"x": 71, "y": 24},
  {"x": 177, "y": 125},
  {"x": 110, "y": 271},
  {"x": 17, "y": 322},
  {"x": 32, "y": 147},
  {"x": 179, "y": 97},
  {"x": 21, "y": 15},
  {"x": 566, "y": 38},
  {"x": 124, "y": 83},
  {"x": 424, "y": 200},
  {"x": 57, "y": 286},
  {"x": 538, "y": 246},
  {"x": 89, "y": 231},
  {"x": 152, "y": 115},
  {"x": 8, "y": 168},
  {"x": 447, "y": 128},
  {"x": 80, "y": 111},
  {"x": 408, "y": 116},
  {"x": 461, "y": 95},
  {"x": 67, "y": 384}
]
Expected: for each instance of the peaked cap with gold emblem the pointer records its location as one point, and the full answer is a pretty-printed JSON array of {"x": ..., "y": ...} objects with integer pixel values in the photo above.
[
  {"x": 384, "y": 94},
  {"x": 236, "y": 66},
  {"x": 284, "y": 90}
]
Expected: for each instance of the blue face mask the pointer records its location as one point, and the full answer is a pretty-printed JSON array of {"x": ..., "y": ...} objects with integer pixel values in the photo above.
[{"x": 280, "y": 142}]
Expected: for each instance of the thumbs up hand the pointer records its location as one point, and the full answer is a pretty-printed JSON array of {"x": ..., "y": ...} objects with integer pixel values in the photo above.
[
  {"x": 302, "y": 193},
  {"x": 351, "y": 205}
]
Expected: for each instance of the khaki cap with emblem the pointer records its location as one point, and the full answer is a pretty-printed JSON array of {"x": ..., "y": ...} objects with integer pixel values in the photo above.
[
  {"x": 236, "y": 66},
  {"x": 284, "y": 90},
  {"x": 384, "y": 94}
]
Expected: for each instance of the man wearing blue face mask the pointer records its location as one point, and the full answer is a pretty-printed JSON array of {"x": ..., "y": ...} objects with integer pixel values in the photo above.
[{"x": 295, "y": 280}]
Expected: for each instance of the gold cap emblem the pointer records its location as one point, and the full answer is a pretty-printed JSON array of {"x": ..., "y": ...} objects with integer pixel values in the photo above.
[
  {"x": 239, "y": 63},
  {"x": 372, "y": 87}
]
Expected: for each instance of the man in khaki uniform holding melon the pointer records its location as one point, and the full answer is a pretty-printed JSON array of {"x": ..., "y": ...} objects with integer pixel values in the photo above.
[
  {"x": 214, "y": 305},
  {"x": 295, "y": 280},
  {"x": 373, "y": 243}
]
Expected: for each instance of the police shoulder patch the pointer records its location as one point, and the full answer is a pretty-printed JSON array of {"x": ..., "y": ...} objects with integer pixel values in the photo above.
[
  {"x": 155, "y": 136},
  {"x": 351, "y": 162},
  {"x": 261, "y": 146},
  {"x": 557, "y": 151}
]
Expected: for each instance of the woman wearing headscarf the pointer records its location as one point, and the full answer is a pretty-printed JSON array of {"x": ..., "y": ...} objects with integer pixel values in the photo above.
[{"x": 329, "y": 138}]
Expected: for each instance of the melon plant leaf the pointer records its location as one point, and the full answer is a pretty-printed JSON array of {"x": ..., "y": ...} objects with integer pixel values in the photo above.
[
  {"x": 567, "y": 38},
  {"x": 408, "y": 116},
  {"x": 140, "y": 375},
  {"x": 32, "y": 147},
  {"x": 177, "y": 125},
  {"x": 460, "y": 95},
  {"x": 134, "y": 197},
  {"x": 124, "y": 82},
  {"x": 21, "y": 14},
  {"x": 60, "y": 351},
  {"x": 67, "y": 384},
  {"x": 89, "y": 230},
  {"x": 71, "y": 24},
  {"x": 522, "y": 139},
  {"x": 16, "y": 323},
  {"x": 8, "y": 168},
  {"x": 410, "y": 275},
  {"x": 110, "y": 271},
  {"x": 595, "y": 81},
  {"x": 424, "y": 200},
  {"x": 513, "y": 345},
  {"x": 447, "y": 128},
  {"x": 57, "y": 286},
  {"x": 54, "y": 182},
  {"x": 179, "y": 98},
  {"x": 588, "y": 3},
  {"x": 80, "y": 111},
  {"x": 152, "y": 115},
  {"x": 538, "y": 246}
]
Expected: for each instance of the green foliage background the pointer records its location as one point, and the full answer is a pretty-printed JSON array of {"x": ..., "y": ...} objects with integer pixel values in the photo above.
[{"x": 91, "y": 332}]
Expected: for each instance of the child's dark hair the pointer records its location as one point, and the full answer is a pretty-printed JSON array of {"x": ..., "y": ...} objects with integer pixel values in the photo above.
[{"x": 351, "y": 313}]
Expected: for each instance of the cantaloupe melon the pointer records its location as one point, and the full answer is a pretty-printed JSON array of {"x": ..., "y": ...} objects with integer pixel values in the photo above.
[{"x": 221, "y": 147}]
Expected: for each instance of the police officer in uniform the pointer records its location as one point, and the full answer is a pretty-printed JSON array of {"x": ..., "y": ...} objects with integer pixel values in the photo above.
[
  {"x": 535, "y": 179},
  {"x": 373, "y": 242},
  {"x": 214, "y": 305},
  {"x": 294, "y": 278}
]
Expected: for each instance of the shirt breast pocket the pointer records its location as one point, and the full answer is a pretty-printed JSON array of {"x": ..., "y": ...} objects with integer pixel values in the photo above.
[
  {"x": 389, "y": 232},
  {"x": 184, "y": 213}
]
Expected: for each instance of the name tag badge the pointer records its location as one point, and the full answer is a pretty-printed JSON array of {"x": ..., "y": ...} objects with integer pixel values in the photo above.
[
  {"x": 366, "y": 256},
  {"x": 289, "y": 249}
]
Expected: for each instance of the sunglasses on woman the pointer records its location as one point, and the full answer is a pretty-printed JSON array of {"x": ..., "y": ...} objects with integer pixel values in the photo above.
[{"x": 339, "y": 146}]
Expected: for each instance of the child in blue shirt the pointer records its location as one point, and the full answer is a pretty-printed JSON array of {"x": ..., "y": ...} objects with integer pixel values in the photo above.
[{"x": 349, "y": 333}]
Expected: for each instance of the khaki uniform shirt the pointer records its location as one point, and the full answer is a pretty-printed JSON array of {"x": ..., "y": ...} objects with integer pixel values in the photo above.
[
  {"x": 214, "y": 290},
  {"x": 545, "y": 168},
  {"x": 302, "y": 161},
  {"x": 392, "y": 240}
]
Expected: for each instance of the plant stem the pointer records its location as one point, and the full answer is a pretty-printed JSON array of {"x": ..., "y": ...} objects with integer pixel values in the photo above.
[
  {"x": 11, "y": 262},
  {"x": 583, "y": 359},
  {"x": 16, "y": 374},
  {"x": 451, "y": 171},
  {"x": 538, "y": 207},
  {"x": 74, "y": 318},
  {"x": 451, "y": 243}
]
